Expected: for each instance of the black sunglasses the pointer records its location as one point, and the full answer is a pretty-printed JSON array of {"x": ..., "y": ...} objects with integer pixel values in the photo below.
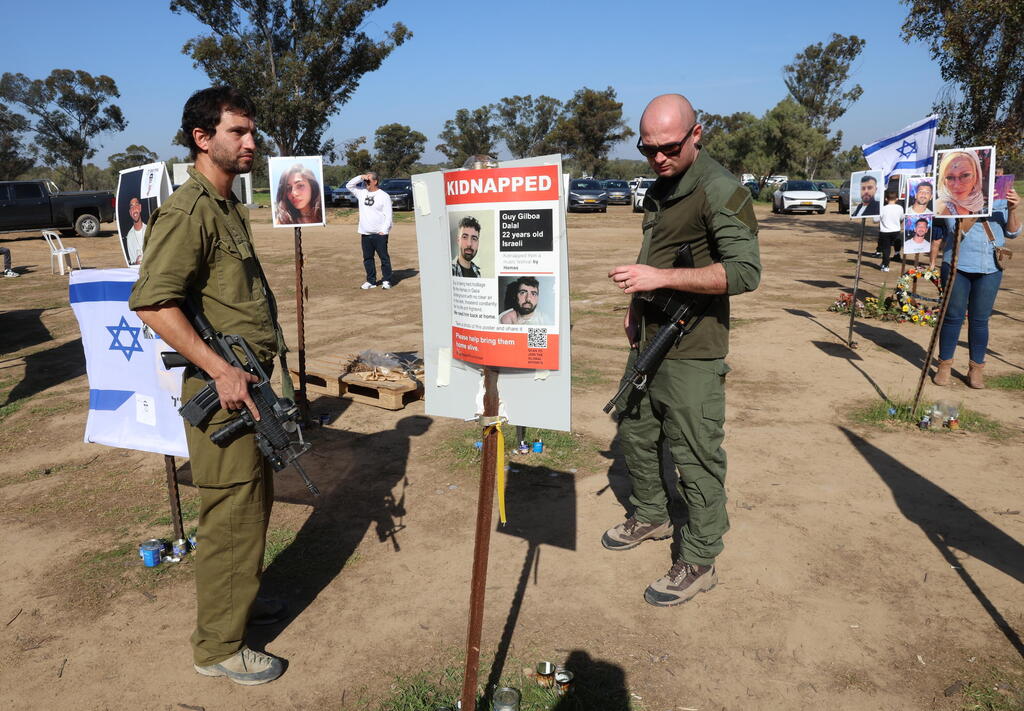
[{"x": 669, "y": 150}]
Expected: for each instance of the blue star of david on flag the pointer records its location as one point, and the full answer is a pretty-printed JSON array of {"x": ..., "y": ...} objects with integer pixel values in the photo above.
[
  {"x": 117, "y": 345},
  {"x": 908, "y": 149}
]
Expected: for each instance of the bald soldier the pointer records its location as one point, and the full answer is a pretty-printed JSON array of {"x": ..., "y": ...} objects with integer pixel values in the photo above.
[{"x": 694, "y": 201}]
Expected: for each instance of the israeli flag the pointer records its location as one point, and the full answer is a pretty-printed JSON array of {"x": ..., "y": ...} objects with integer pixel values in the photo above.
[
  {"x": 910, "y": 151},
  {"x": 133, "y": 400}
]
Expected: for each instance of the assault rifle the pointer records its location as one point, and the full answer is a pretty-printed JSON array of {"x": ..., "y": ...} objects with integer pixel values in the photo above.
[
  {"x": 685, "y": 310},
  {"x": 278, "y": 416}
]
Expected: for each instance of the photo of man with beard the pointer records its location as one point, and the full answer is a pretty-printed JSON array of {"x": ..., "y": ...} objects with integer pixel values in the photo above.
[
  {"x": 468, "y": 244},
  {"x": 525, "y": 298}
]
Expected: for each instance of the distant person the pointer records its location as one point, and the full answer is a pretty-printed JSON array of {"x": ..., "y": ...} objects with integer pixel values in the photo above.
[
  {"x": 135, "y": 237},
  {"x": 960, "y": 185},
  {"x": 917, "y": 242},
  {"x": 922, "y": 204},
  {"x": 468, "y": 244},
  {"x": 8, "y": 272},
  {"x": 298, "y": 197},
  {"x": 374, "y": 226},
  {"x": 868, "y": 204},
  {"x": 890, "y": 226},
  {"x": 524, "y": 308}
]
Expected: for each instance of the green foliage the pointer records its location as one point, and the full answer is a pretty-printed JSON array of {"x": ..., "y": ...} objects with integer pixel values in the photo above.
[
  {"x": 526, "y": 124},
  {"x": 70, "y": 110},
  {"x": 130, "y": 157},
  {"x": 816, "y": 77},
  {"x": 898, "y": 411},
  {"x": 277, "y": 540},
  {"x": 977, "y": 46},
  {"x": 299, "y": 60},
  {"x": 397, "y": 148},
  {"x": 358, "y": 158},
  {"x": 625, "y": 169},
  {"x": 15, "y": 158},
  {"x": 590, "y": 125},
  {"x": 1006, "y": 382},
  {"x": 469, "y": 133}
]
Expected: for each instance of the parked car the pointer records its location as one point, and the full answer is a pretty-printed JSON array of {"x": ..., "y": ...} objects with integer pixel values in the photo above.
[
  {"x": 843, "y": 206},
  {"x": 587, "y": 194},
  {"x": 830, "y": 190},
  {"x": 341, "y": 196},
  {"x": 753, "y": 187},
  {"x": 748, "y": 178},
  {"x": 400, "y": 190},
  {"x": 777, "y": 180},
  {"x": 799, "y": 196},
  {"x": 39, "y": 204},
  {"x": 640, "y": 192},
  {"x": 618, "y": 192}
]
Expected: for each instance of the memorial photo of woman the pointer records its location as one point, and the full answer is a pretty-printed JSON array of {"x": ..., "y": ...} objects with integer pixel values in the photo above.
[
  {"x": 298, "y": 199},
  {"x": 964, "y": 182}
]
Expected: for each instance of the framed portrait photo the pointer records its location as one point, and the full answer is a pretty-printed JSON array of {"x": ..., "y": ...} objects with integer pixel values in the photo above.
[
  {"x": 965, "y": 181},
  {"x": 866, "y": 190},
  {"x": 920, "y": 195},
  {"x": 297, "y": 191}
]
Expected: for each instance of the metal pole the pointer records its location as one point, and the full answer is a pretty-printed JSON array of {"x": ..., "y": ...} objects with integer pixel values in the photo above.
[
  {"x": 173, "y": 496},
  {"x": 942, "y": 318},
  {"x": 856, "y": 286},
  {"x": 300, "y": 319},
  {"x": 481, "y": 547}
]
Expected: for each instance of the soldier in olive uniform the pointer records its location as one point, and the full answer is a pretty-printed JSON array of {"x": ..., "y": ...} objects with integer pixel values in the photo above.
[
  {"x": 199, "y": 251},
  {"x": 695, "y": 201}
]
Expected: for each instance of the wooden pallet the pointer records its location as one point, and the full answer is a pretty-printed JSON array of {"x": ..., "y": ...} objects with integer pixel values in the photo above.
[
  {"x": 323, "y": 376},
  {"x": 389, "y": 394}
]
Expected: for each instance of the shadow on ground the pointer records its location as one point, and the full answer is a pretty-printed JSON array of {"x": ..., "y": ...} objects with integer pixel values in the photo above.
[{"x": 48, "y": 368}]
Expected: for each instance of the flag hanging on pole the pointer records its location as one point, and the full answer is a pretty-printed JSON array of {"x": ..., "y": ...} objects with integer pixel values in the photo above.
[{"x": 910, "y": 151}]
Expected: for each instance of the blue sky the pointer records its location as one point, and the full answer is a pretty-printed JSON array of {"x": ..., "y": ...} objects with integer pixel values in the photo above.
[{"x": 725, "y": 57}]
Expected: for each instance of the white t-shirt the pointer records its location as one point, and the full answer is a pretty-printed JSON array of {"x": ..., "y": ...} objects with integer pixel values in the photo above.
[
  {"x": 374, "y": 208},
  {"x": 133, "y": 243},
  {"x": 890, "y": 218}
]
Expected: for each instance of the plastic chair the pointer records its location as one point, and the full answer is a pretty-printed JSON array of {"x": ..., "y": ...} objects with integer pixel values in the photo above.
[{"x": 58, "y": 251}]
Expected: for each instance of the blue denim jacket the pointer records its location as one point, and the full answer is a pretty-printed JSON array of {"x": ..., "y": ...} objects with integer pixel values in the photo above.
[{"x": 976, "y": 253}]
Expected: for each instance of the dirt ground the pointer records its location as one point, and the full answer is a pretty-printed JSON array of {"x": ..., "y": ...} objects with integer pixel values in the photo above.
[{"x": 867, "y": 567}]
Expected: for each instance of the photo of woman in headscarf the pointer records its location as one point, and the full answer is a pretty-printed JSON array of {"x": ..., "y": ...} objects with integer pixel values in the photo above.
[
  {"x": 963, "y": 183},
  {"x": 299, "y": 199}
]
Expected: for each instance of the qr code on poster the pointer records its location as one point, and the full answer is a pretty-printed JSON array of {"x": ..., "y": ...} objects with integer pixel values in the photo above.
[{"x": 536, "y": 338}]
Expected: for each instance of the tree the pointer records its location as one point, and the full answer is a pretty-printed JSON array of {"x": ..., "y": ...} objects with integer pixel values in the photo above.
[
  {"x": 590, "y": 125},
  {"x": 980, "y": 55},
  {"x": 732, "y": 140},
  {"x": 14, "y": 158},
  {"x": 470, "y": 133},
  {"x": 131, "y": 157},
  {"x": 299, "y": 60},
  {"x": 357, "y": 157},
  {"x": 397, "y": 148},
  {"x": 787, "y": 136},
  {"x": 816, "y": 80},
  {"x": 526, "y": 124},
  {"x": 70, "y": 113}
]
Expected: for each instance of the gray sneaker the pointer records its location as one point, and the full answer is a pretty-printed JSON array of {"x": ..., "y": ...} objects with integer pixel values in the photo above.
[
  {"x": 631, "y": 533},
  {"x": 681, "y": 583},
  {"x": 246, "y": 667}
]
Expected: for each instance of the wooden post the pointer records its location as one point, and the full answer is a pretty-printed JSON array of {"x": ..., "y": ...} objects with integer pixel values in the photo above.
[
  {"x": 942, "y": 317},
  {"x": 856, "y": 286},
  {"x": 481, "y": 547},
  {"x": 173, "y": 496},
  {"x": 300, "y": 318}
]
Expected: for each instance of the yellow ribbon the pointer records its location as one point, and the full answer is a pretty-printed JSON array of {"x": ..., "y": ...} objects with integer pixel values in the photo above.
[{"x": 500, "y": 468}]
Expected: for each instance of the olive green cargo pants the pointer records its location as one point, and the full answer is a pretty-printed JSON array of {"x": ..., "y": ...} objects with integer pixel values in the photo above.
[
  {"x": 684, "y": 405},
  {"x": 236, "y": 492}
]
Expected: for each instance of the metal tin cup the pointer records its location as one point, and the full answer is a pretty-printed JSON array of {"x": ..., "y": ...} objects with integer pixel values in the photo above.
[
  {"x": 546, "y": 674},
  {"x": 505, "y": 699},
  {"x": 179, "y": 548},
  {"x": 563, "y": 682},
  {"x": 150, "y": 551}
]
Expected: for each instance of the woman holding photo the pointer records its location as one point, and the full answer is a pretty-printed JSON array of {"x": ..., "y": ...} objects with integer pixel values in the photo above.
[
  {"x": 960, "y": 185},
  {"x": 977, "y": 283},
  {"x": 298, "y": 197}
]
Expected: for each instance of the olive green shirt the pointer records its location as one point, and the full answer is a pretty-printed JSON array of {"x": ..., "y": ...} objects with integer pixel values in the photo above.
[
  {"x": 710, "y": 210},
  {"x": 199, "y": 246}
]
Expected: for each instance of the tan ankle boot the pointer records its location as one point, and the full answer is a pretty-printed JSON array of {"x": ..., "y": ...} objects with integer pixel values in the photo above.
[
  {"x": 975, "y": 379},
  {"x": 942, "y": 372}
]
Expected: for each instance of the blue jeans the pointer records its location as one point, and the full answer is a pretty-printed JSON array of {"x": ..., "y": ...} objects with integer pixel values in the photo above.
[
  {"x": 376, "y": 244},
  {"x": 973, "y": 296}
]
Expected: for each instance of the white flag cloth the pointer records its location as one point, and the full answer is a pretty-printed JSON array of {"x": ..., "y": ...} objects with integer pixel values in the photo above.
[
  {"x": 910, "y": 151},
  {"x": 133, "y": 400}
]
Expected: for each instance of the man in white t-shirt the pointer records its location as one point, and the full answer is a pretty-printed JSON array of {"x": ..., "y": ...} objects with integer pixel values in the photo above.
[
  {"x": 374, "y": 226},
  {"x": 890, "y": 226},
  {"x": 136, "y": 234}
]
